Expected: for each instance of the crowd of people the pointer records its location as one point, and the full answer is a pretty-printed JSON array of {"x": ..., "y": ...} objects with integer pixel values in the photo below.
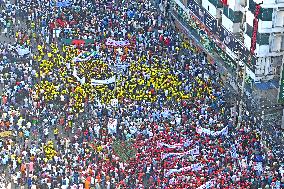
[{"x": 139, "y": 107}]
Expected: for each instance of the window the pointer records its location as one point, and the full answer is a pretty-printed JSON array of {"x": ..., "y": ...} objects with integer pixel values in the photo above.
[
  {"x": 282, "y": 43},
  {"x": 249, "y": 30},
  {"x": 263, "y": 38},
  {"x": 266, "y": 14},
  {"x": 226, "y": 11},
  {"x": 216, "y": 3},
  {"x": 234, "y": 16},
  {"x": 251, "y": 6},
  {"x": 238, "y": 16},
  {"x": 208, "y": 8}
]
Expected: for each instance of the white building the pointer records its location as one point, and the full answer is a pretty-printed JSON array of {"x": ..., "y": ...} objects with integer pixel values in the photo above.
[{"x": 237, "y": 17}]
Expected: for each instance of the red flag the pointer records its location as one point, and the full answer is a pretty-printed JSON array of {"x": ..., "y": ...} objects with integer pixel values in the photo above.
[{"x": 78, "y": 42}]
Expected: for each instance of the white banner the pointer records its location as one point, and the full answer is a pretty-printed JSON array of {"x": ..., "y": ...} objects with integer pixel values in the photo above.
[
  {"x": 167, "y": 155},
  {"x": 192, "y": 152},
  {"x": 161, "y": 144},
  {"x": 22, "y": 51},
  {"x": 194, "y": 167},
  {"x": 201, "y": 130},
  {"x": 103, "y": 82},
  {"x": 111, "y": 42},
  {"x": 178, "y": 145},
  {"x": 112, "y": 123}
]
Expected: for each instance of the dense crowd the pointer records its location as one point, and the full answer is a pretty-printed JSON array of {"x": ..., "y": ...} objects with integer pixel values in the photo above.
[{"x": 138, "y": 107}]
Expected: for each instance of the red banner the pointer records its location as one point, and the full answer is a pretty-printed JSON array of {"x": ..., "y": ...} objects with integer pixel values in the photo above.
[
  {"x": 225, "y": 2},
  {"x": 255, "y": 29}
]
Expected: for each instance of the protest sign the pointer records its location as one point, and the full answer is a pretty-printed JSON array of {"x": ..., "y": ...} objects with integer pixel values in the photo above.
[{"x": 111, "y": 42}]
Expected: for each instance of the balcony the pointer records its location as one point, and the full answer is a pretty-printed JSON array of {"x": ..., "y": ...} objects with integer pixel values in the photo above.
[
  {"x": 275, "y": 29},
  {"x": 278, "y": 5}
]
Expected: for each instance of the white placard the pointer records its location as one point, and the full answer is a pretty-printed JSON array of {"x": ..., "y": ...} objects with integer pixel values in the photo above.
[{"x": 114, "y": 103}]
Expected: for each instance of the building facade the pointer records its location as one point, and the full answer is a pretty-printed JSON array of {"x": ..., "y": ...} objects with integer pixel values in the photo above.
[{"x": 247, "y": 26}]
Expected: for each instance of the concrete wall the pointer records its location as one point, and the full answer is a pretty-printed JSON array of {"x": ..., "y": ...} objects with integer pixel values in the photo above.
[{"x": 229, "y": 25}]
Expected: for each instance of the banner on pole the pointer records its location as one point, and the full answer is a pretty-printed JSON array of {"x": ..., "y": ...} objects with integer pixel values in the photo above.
[{"x": 85, "y": 56}]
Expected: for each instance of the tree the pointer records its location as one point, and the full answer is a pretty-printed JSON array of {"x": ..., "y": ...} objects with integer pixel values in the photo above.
[{"x": 124, "y": 150}]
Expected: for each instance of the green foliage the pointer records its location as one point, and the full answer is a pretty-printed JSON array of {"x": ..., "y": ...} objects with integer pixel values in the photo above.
[{"x": 124, "y": 150}]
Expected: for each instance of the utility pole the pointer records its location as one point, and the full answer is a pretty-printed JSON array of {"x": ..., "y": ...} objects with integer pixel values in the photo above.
[
  {"x": 281, "y": 93},
  {"x": 242, "y": 92},
  {"x": 282, "y": 123},
  {"x": 234, "y": 112},
  {"x": 242, "y": 87}
]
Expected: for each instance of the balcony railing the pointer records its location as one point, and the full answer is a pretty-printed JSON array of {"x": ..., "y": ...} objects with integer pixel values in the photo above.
[{"x": 210, "y": 45}]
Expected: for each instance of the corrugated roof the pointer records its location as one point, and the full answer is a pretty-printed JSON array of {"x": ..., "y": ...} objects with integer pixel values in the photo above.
[{"x": 267, "y": 85}]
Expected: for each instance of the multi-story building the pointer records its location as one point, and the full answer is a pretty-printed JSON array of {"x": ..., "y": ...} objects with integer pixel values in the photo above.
[{"x": 237, "y": 16}]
